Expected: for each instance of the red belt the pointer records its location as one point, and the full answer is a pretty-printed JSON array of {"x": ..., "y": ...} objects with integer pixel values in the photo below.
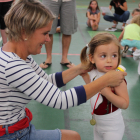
[{"x": 24, "y": 123}]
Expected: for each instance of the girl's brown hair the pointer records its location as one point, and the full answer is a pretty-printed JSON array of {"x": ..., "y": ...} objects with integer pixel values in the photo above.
[{"x": 97, "y": 40}]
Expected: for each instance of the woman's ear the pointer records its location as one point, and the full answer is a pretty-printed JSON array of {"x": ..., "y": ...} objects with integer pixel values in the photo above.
[
  {"x": 91, "y": 58},
  {"x": 24, "y": 36}
]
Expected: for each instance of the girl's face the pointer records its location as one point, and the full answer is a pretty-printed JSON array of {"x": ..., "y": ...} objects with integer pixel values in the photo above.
[
  {"x": 105, "y": 57},
  {"x": 93, "y": 5}
]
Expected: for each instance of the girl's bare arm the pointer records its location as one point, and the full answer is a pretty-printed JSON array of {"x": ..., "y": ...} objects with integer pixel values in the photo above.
[
  {"x": 86, "y": 78},
  {"x": 121, "y": 35},
  {"x": 120, "y": 99},
  {"x": 91, "y": 17},
  {"x": 98, "y": 17}
]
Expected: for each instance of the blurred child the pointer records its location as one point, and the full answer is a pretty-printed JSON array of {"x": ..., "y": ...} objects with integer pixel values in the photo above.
[
  {"x": 131, "y": 35},
  {"x": 134, "y": 13},
  {"x": 136, "y": 56},
  {"x": 58, "y": 25},
  {"x": 104, "y": 55},
  {"x": 139, "y": 5},
  {"x": 93, "y": 14}
]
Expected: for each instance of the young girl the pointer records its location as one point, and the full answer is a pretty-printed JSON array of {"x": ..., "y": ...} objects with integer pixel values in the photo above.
[
  {"x": 93, "y": 14},
  {"x": 131, "y": 35},
  {"x": 136, "y": 56},
  {"x": 135, "y": 12},
  {"x": 103, "y": 56}
]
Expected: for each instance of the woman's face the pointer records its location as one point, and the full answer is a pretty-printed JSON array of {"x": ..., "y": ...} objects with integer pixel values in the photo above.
[
  {"x": 93, "y": 5},
  {"x": 35, "y": 42}
]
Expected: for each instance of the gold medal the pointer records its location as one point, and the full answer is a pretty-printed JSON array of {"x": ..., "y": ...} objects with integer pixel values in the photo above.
[{"x": 92, "y": 121}]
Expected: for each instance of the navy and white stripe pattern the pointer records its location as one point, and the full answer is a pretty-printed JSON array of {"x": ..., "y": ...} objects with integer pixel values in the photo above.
[{"x": 21, "y": 81}]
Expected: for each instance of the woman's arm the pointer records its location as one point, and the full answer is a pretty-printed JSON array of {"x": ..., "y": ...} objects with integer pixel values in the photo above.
[
  {"x": 111, "y": 78},
  {"x": 22, "y": 78},
  {"x": 121, "y": 35},
  {"x": 120, "y": 99},
  {"x": 55, "y": 78},
  {"x": 71, "y": 73},
  {"x": 124, "y": 7},
  {"x": 88, "y": 15}
]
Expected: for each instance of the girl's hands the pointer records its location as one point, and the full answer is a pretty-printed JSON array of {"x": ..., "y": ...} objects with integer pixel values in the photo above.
[{"x": 103, "y": 14}]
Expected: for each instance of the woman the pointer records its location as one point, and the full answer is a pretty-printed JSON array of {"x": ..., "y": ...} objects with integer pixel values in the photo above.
[
  {"x": 21, "y": 79},
  {"x": 4, "y": 7},
  {"x": 121, "y": 14}
]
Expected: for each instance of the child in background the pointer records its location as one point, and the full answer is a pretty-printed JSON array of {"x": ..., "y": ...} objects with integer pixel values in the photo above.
[
  {"x": 139, "y": 5},
  {"x": 104, "y": 55},
  {"x": 131, "y": 35},
  {"x": 93, "y": 14},
  {"x": 134, "y": 13},
  {"x": 58, "y": 25},
  {"x": 136, "y": 56}
]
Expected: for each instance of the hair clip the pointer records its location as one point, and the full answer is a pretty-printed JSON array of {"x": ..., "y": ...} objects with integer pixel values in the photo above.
[{"x": 87, "y": 46}]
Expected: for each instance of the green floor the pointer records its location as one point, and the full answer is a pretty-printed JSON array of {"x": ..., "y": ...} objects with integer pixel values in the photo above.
[{"x": 77, "y": 118}]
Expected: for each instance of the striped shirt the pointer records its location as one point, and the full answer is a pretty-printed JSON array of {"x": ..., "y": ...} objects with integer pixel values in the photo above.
[{"x": 21, "y": 81}]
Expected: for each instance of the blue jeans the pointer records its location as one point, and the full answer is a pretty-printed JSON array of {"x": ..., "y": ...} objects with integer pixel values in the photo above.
[
  {"x": 30, "y": 133},
  {"x": 119, "y": 18}
]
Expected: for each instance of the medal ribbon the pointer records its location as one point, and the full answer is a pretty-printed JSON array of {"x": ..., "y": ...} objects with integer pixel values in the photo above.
[{"x": 95, "y": 103}]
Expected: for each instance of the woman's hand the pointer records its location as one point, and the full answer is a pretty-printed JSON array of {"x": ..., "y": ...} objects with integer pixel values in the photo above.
[
  {"x": 83, "y": 69},
  {"x": 115, "y": 77},
  {"x": 119, "y": 4},
  {"x": 71, "y": 73}
]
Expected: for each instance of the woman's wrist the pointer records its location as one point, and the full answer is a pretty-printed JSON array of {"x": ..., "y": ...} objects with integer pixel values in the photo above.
[
  {"x": 81, "y": 69},
  {"x": 106, "y": 80}
]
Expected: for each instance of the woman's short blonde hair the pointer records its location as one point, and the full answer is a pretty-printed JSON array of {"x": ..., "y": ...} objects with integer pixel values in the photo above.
[
  {"x": 136, "y": 19},
  {"x": 26, "y": 16}
]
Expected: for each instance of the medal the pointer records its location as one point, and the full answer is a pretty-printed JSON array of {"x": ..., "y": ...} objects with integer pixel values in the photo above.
[{"x": 92, "y": 121}]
